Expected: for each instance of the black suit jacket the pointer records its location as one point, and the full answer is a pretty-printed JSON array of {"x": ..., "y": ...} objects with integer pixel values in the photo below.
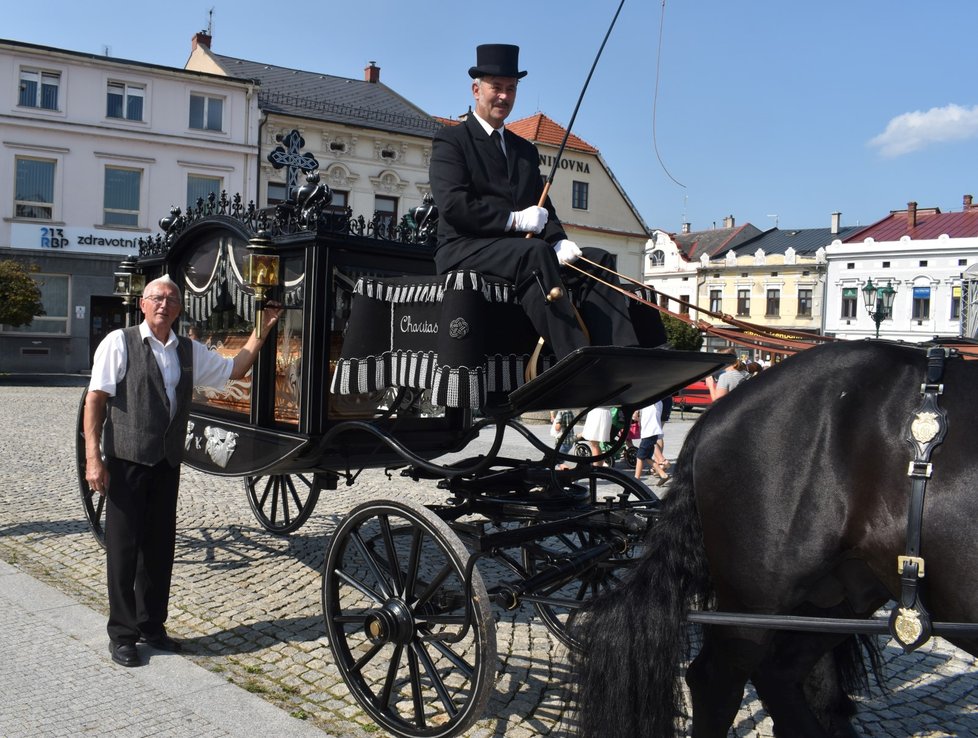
[{"x": 475, "y": 190}]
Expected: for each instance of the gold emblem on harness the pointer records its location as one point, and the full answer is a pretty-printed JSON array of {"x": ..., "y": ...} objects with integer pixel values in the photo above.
[
  {"x": 924, "y": 427},
  {"x": 907, "y": 626}
]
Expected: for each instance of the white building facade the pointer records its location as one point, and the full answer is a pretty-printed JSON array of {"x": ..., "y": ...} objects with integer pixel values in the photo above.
[
  {"x": 925, "y": 273},
  {"x": 93, "y": 152}
]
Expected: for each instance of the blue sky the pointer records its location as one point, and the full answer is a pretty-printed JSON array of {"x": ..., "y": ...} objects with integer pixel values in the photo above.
[{"x": 768, "y": 110}]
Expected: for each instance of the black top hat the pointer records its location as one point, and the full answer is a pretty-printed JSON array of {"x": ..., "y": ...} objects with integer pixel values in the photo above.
[{"x": 496, "y": 60}]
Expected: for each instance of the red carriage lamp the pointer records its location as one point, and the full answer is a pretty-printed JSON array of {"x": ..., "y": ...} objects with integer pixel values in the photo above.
[
  {"x": 879, "y": 302},
  {"x": 262, "y": 272}
]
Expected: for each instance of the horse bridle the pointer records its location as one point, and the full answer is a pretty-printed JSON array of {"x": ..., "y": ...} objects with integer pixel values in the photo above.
[{"x": 910, "y": 623}]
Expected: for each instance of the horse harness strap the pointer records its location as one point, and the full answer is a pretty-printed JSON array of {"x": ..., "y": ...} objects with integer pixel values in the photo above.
[{"x": 910, "y": 622}]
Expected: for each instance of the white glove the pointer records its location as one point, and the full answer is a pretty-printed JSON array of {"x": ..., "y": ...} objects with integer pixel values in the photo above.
[
  {"x": 531, "y": 220},
  {"x": 567, "y": 251}
]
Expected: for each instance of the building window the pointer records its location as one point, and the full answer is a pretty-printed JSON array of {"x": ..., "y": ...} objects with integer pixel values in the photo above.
[
  {"x": 124, "y": 101},
  {"x": 716, "y": 301},
  {"x": 121, "y": 201},
  {"x": 921, "y": 303},
  {"x": 338, "y": 202},
  {"x": 773, "y": 303},
  {"x": 34, "y": 189},
  {"x": 805, "y": 303},
  {"x": 923, "y": 262},
  {"x": 54, "y": 298},
  {"x": 39, "y": 89},
  {"x": 849, "y": 297},
  {"x": 684, "y": 304},
  {"x": 199, "y": 187},
  {"x": 657, "y": 258},
  {"x": 956, "y": 303},
  {"x": 743, "y": 302},
  {"x": 206, "y": 113},
  {"x": 579, "y": 196},
  {"x": 663, "y": 301},
  {"x": 275, "y": 193},
  {"x": 385, "y": 212}
]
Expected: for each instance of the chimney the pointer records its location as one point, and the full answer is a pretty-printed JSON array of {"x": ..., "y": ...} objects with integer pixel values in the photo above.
[
  {"x": 687, "y": 228},
  {"x": 836, "y": 223},
  {"x": 728, "y": 222},
  {"x": 967, "y": 202},
  {"x": 202, "y": 38},
  {"x": 912, "y": 214},
  {"x": 371, "y": 73}
]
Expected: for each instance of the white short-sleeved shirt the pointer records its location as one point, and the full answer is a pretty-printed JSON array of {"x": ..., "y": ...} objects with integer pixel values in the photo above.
[
  {"x": 651, "y": 420},
  {"x": 109, "y": 366}
]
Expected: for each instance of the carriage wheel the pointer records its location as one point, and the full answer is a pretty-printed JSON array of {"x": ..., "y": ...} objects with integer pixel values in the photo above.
[
  {"x": 283, "y": 502},
  {"x": 631, "y": 455},
  {"x": 394, "y": 599},
  {"x": 93, "y": 504},
  {"x": 598, "y": 579},
  {"x": 582, "y": 449}
]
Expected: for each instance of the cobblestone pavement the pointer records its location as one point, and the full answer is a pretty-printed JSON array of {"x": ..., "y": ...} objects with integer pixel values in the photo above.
[{"x": 247, "y": 603}]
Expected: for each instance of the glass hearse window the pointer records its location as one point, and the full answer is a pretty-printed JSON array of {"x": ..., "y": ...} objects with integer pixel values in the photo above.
[{"x": 219, "y": 312}]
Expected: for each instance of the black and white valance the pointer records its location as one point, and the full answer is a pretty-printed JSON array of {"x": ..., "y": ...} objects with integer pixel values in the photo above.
[{"x": 462, "y": 335}]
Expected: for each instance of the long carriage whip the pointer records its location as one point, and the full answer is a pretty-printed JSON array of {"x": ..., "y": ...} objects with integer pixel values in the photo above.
[{"x": 531, "y": 367}]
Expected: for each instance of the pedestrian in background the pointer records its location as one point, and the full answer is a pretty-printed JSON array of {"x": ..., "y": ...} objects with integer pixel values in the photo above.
[
  {"x": 562, "y": 431},
  {"x": 136, "y": 413},
  {"x": 650, "y": 422}
]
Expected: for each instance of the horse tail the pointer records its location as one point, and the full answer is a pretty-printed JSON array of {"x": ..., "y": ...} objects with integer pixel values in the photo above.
[{"x": 634, "y": 639}]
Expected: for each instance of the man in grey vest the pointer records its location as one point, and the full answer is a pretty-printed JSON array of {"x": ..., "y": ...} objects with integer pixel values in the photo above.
[{"x": 136, "y": 413}]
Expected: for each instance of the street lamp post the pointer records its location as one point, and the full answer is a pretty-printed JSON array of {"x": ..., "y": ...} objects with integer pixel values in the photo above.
[{"x": 879, "y": 302}]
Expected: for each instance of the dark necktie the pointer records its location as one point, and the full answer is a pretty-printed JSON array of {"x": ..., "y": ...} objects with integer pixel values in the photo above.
[{"x": 498, "y": 140}]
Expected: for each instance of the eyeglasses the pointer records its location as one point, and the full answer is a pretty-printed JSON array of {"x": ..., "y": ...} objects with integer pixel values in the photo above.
[{"x": 160, "y": 299}]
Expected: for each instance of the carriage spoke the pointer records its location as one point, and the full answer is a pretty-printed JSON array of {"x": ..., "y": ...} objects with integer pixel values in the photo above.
[
  {"x": 357, "y": 666},
  {"x": 413, "y": 561},
  {"x": 416, "y": 688},
  {"x": 446, "y": 650},
  {"x": 392, "y": 669},
  {"x": 395, "y": 566},
  {"x": 372, "y": 563},
  {"x": 434, "y": 585},
  {"x": 437, "y": 683},
  {"x": 359, "y": 586}
]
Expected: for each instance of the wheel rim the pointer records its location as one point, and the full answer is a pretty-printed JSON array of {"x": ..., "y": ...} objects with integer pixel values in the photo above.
[
  {"x": 394, "y": 580},
  {"x": 282, "y": 502},
  {"x": 93, "y": 504}
]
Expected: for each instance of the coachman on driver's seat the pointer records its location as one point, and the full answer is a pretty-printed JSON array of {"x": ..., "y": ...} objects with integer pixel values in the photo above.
[{"x": 495, "y": 219}]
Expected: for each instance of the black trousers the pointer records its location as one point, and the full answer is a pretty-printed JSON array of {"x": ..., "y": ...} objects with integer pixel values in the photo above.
[
  {"x": 140, "y": 535},
  {"x": 530, "y": 263}
]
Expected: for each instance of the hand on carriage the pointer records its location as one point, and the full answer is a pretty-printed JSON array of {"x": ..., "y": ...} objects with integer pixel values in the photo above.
[
  {"x": 272, "y": 312},
  {"x": 567, "y": 251},
  {"x": 530, "y": 220}
]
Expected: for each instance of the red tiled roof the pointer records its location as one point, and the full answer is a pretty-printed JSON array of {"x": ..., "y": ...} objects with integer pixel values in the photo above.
[
  {"x": 931, "y": 223},
  {"x": 446, "y": 121},
  {"x": 541, "y": 129}
]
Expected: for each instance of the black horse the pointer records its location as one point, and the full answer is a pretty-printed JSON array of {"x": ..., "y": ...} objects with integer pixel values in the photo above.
[{"x": 790, "y": 497}]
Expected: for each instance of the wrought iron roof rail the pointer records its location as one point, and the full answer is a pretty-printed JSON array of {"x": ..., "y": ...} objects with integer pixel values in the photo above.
[{"x": 309, "y": 211}]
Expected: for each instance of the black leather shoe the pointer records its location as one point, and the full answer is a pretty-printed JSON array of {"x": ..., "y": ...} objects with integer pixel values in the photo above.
[
  {"x": 163, "y": 643},
  {"x": 124, "y": 654}
]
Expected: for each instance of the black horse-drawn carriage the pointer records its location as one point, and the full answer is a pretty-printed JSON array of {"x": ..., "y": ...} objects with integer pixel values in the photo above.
[{"x": 378, "y": 362}]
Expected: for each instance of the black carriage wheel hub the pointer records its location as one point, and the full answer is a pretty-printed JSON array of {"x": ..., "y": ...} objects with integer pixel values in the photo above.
[{"x": 392, "y": 623}]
